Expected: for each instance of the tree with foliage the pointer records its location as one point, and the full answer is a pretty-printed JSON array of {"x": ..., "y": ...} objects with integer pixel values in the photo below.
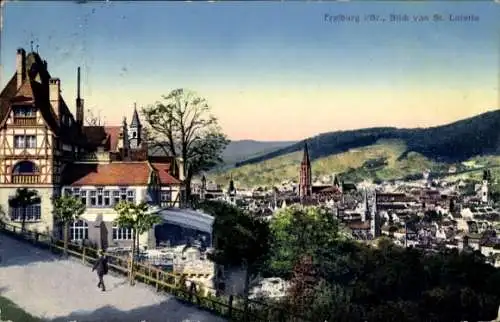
[
  {"x": 23, "y": 199},
  {"x": 182, "y": 126},
  {"x": 301, "y": 230},
  {"x": 240, "y": 238},
  {"x": 139, "y": 219},
  {"x": 67, "y": 208},
  {"x": 358, "y": 282}
]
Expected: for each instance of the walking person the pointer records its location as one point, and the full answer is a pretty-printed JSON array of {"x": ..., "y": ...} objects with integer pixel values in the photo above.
[{"x": 101, "y": 265}]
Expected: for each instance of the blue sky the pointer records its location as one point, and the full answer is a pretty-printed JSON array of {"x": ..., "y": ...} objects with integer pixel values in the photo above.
[{"x": 271, "y": 70}]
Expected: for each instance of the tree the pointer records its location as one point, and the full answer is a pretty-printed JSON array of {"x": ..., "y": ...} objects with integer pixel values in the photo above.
[
  {"x": 139, "y": 219},
  {"x": 241, "y": 239},
  {"x": 67, "y": 208},
  {"x": 23, "y": 199},
  {"x": 182, "y": 126},
  {"x": 93, "y": 120},
  {"x": 301, "y": 230}
]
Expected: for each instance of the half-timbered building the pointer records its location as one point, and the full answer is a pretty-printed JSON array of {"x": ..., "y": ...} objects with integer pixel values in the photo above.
[{"x": 44, "y": 147}]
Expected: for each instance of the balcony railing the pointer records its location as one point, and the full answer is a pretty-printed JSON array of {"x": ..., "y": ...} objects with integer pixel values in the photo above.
[
  {"x": 25, "y": 178},
  {"x": 25, "y": 121}
]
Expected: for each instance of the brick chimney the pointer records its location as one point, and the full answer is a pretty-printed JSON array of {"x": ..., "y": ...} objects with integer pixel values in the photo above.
[
  {"x": 20, "y": 66},
  {"x": 79, "y": 100},
  {"x": 54, "y": 95}
]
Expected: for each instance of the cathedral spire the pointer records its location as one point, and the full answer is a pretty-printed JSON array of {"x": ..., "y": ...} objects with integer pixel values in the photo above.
[
  {"x": 135, "y": 118},
  {"x": 305, "y": 183},
  {"x": 305, "y": 158}
]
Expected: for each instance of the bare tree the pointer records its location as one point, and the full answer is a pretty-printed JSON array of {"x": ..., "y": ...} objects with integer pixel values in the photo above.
[
  {"x": 93, "y": 120},
  {"x": 182, "y": 126}
]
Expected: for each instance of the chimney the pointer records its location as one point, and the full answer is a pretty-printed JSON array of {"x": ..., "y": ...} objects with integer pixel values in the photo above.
[
  {"x": 20, "y": 66},
  {"x": 124, "y": 139},
  {"x": 54, "y": 94},
  {"x": 79, "y": 100}
]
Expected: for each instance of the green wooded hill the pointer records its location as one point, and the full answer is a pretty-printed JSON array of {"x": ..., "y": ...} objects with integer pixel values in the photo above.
[{"x": 380, "y": 153}]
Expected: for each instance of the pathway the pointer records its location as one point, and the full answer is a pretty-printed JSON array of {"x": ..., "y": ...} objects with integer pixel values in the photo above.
[{"x": 66, "y": 290}]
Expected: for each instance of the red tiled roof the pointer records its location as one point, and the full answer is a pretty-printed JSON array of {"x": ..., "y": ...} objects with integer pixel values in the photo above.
[
  {"x": 114, "y": 136},
  {"x": 164, "y": 174},
  {"x": 358, "y": 225},
  {"x": 25, "y": 93},
  {"x": 111, "y": 174}
]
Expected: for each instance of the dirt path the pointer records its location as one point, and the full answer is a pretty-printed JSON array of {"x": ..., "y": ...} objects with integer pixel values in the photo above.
[{"x": 66, "y": 290}]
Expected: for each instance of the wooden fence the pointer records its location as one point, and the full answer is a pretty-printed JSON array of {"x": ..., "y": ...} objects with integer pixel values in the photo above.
[{"x": 230, "y": 307}]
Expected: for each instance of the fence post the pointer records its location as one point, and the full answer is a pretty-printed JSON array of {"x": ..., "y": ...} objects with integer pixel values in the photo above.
[
  {"x": 83, "y": 254},
  {"x": 35, "y": 239},
  {"x": 230, "y": 307},
  {"x": 157, "y": 279},
  {"x": 245, "y": 309},
  {"x": 192, "y": 288}
]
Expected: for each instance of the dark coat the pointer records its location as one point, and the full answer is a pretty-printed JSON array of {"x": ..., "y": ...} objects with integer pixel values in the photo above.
[{"x": 101, "y": 265}]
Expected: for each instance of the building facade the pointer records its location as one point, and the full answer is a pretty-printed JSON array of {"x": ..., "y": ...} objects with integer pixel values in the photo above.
[{"x": 45, "y": 148}]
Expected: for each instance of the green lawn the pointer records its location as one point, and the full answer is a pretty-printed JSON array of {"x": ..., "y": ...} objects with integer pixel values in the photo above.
[{"x": 11, "y": 312}]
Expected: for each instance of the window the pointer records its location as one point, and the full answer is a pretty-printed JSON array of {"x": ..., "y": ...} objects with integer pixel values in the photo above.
[
  {"x": 123, "y": 194},
  {"x": 79, "y": 230},
  {"x": 99, "y": 197},
  {"x": 67, "y": 192},
  {"x": 30, "y": 141},
  {"x": 107, "y": 201},
  {"x": 122, "y": 233},
  {"x": 19, "y": 141},
  {"x": 131, "y": 196},
  {"x": 33, "y": 213},
  {"x": 25, "y": 167},
  {"x": 24, "y": 141},
  {"x": 83, "y": 196},
  {"x": 134, "y": 135},
  {"x": 93, "y": 197},
  {"x": 116, "y": 197},
  {"x": 165, "y": 196},
  {"x": 24, "y": 112}
]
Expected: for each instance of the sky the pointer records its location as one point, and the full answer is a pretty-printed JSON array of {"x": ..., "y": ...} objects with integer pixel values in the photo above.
[{"x": 270, "y": 70}]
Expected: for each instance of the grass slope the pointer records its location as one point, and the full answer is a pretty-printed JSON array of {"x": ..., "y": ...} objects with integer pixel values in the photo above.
[
  {"x": 355, "y": 163},
  {"x": 384, "y": 160},
  {"x": 9, "y": 311}
]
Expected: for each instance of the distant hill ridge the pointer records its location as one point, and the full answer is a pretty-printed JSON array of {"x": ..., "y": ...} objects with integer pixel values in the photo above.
[
  {"x": 454, "y": 142},
  {"x": 239, "y": 150}
]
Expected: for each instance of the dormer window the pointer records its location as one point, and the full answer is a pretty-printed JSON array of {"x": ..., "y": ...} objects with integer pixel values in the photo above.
[{"x": 24, "y": 115}]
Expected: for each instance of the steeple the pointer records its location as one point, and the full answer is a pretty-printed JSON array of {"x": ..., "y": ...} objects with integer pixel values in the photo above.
[
  {"x": 365, "y": 208},
  {"x": 305, "y": 158},
  {"x": 305, "y": 182},
  {"x": 135, "y": 130},
  {"x": 135, "y": 118},
  {"x": 232, "y": 190}
]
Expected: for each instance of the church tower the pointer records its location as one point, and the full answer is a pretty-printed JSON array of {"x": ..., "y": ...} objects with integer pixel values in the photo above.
[
  {"x": 134, "y": 130},
  {"x": 485, "y": 186},
  {"x": 365, "y": 210},
  {"x": 375, "y": 219},
  {"x": 305, "y": 183}
]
